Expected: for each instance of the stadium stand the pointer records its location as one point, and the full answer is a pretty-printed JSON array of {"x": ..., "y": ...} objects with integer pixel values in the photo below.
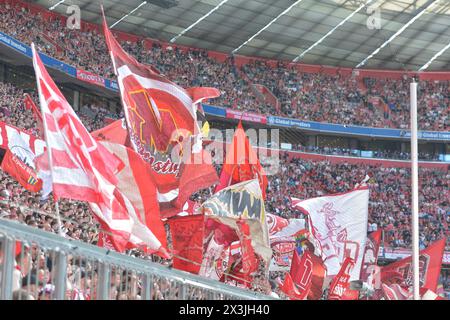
[{"x": 342, "y": 99}]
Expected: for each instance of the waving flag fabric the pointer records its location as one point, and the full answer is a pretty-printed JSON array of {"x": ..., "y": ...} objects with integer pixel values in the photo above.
[
  {"x": 19, "y": 160},
  {"x": 241, "y": 163},
  {"x": 30, "y": 105},
  {"x": 187, "y": 238},
  {"x": 162, "y": 125},
  {"x": 318, "y": 277},
  {"x": 21, "y": 172},
  {"x": 243, "y": 200},
  {"x": 302, "y": 272},
  {"x": 135, "y": 183},
  {"x": 430, "y": 262},
  {"x": 114, "y": 132},
  {"x": 370, "y": 253},
  {"x": 291, "y": 290},
  {"x": 341, "y": 281},
  {"x": 82, "y": 169},
  {"x": 339, "y": 223},
  {"x": 282, "y": 235}
]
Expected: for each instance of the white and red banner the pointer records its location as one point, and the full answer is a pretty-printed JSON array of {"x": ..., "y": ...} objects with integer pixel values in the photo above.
[
  {"x": 341, "y": 281},
  {"x": 136, "y": 184},
  {"x": 370, "y": 255},
  {"x": 339, "y": 223},
  {"x": 430, "y": 263},
  {"x": 282, "y": 252},
  {"x": 12, "y": 137},
  {"x": 282, "y": 233},
  {"x": 280, "y": 228},
  {"x": 82, "y": 169},
  {"x": 21, "y": 172}
]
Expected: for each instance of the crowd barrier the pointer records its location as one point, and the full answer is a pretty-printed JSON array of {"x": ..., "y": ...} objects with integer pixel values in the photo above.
[{"x": 75, "y": 268}]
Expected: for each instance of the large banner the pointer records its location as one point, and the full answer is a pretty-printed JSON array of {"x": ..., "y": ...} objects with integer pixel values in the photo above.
[
  {"x": 430, "y": 262},
  {"x": 370, "y": 253},
  {"x": 243, "y": 200},
  {"x": 13, "y": 138},
  {"x": 339, "y": 224},
  {"x": 282, "y": 235}
]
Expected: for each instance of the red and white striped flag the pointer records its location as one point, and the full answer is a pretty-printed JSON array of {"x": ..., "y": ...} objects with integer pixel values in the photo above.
[{"x": 82, "y": 169}]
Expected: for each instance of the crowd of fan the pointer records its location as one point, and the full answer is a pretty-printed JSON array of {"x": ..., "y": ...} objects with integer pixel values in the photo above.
[
  {"x": 308, "y": 96},
  {"x": 389, "y": 206},
  {"x": 14, "y": 112},
  {"x": 389, "y": 209},
  {"x": 389, "y": 200},
  {"x": 34, "y": 279}
]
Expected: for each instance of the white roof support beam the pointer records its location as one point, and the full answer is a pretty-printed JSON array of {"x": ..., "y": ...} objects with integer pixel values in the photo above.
[
  {"x": 55, "y": 5},
  {"x": 437, "y": 55},
  {"x": 198, "y": 21},
  {"x": 395, "y": 35},
  {"x": 267, "y": 26},
  {"x": 128, "y": 14},
  {"x": 296, "y": 59}
]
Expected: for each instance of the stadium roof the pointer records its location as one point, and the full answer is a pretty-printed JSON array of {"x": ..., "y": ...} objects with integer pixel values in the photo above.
[{"x": 285, "y": 29}]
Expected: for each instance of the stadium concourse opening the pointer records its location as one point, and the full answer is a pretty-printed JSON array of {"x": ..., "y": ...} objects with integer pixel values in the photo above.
[{"x": 217, "y": 150}]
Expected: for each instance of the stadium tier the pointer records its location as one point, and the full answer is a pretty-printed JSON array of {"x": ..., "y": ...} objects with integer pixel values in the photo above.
[{"x": 105, "y": 156}]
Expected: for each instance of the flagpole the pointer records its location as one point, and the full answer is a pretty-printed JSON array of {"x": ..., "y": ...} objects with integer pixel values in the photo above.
[
  {"x": 49, "y": 151},
  {"x": 415, "y": 190}
]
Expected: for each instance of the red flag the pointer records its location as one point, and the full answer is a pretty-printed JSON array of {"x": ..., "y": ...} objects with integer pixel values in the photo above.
[
  {"x": 430, "y": 262},
  {"x": 187, "y": 240},
  {"x": 21, "y": 172},
  {"x": 162, "y": 124},
  {"x": 82, "y": 169},
  {"x": 290, "y": 289},
  {"x": 341, "y": 281},
  {"x": 135, "y": 182},
  {"x": 318, "y": 277},
  {"x": 30, "y": 105},
  {"x": 370, "y": 253},
  {"x": 249, "y": 259},
  {"x": 216, "y": 245},
  {"x": 302, "y": 272},
  {"x": 115, "y": 132},
  {"x": 241, "y": 163}
]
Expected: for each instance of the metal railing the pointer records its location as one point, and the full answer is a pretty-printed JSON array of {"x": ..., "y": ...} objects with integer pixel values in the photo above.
[{"x": 35, "y": 264}]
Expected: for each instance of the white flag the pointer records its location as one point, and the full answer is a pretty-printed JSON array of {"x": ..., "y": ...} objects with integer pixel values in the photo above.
[{"x": 339, "y": 224}]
